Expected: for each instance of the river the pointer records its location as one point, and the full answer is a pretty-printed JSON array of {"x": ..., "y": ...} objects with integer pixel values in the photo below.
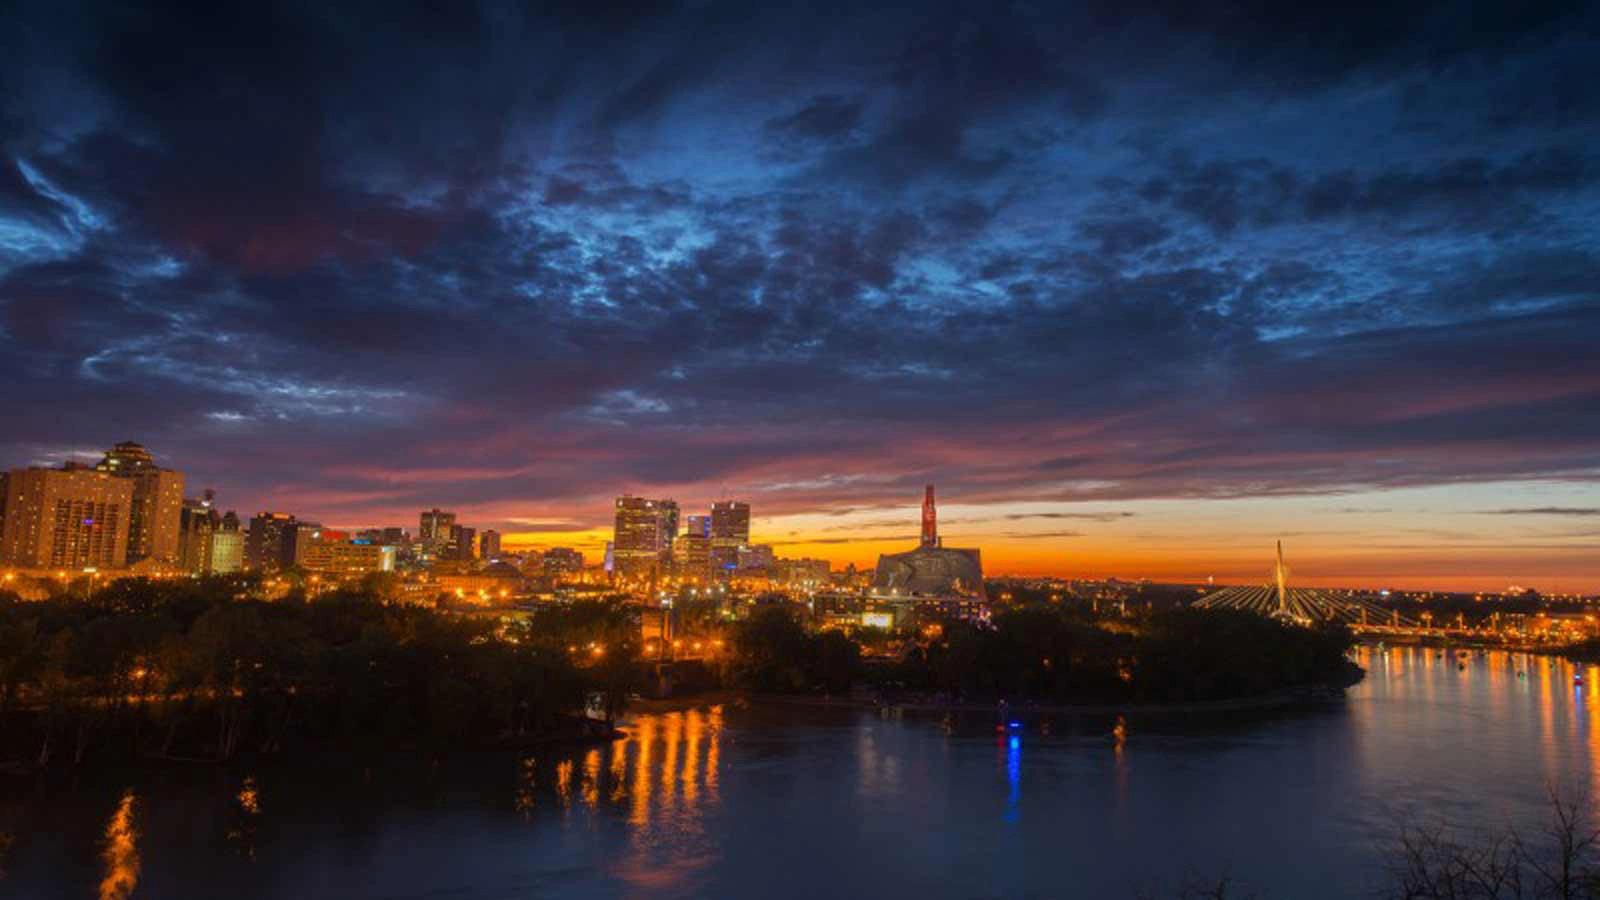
[{"x": 776, "y": 800}]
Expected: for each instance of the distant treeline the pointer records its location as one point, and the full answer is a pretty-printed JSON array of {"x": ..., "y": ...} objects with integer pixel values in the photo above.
[
  {"x": 1053, "y": 654},
  {"x": 206, "y": 669},
  {"x": 201, "y": 669}
]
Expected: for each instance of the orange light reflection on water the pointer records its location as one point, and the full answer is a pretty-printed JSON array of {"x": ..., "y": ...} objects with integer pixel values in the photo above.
[
  {"x": 121, "y": 853},
  {"x": 674, "y": 758},
  {"x": 1488, "y": 698}
]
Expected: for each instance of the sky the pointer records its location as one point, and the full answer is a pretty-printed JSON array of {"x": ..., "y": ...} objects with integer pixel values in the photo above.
[{"x": 1141, "y": 286}]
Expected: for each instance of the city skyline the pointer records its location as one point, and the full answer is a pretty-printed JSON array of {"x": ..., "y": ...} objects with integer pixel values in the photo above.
[
  {"x": 1143, "y": 291},
  {"x": 713, "y": 448},
  {"x": 1162, "y": 540}
]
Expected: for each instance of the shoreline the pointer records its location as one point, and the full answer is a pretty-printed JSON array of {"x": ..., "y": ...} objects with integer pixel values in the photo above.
[
  {"x": 345, "y": 751},
  {"x": 1304, "y": 695},
  {"x": 1445, "y": 642},
  {"x": 1299, "y": 695}
]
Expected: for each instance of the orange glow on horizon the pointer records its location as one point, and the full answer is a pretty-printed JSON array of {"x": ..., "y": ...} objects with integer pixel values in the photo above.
[{"x": 1441, "y": 538}]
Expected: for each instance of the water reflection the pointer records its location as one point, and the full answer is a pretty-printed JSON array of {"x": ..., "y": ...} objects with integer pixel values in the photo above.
[
  {"x": 670, "y": 764},
  {"x": 121, "y": 853},
  {"x": 1013, "y": 759},
  {"x": 244, "y": 816},
  {"x": 789, "y": 801},
  {"x": 1523, "y": 717},
  {"x": 564, "y": 782},
  {"x": 525, "y": 797},
  {"x": 664, "y": 768}
]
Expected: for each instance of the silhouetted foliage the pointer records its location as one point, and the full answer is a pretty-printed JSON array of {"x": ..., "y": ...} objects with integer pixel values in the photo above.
[
  {"x": 774, "y": 652},
  {"x": 1059, "y": 654},
  {"x": 1558, "y": 862},
  {"x": 1056, "y": 653},
  {"x": 200, "y": 668}
]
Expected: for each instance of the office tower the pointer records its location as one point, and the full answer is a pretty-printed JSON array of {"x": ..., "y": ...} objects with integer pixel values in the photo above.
[
  {"x": 434, "y": 530},
  {"x": 489, "y": 545},
  {"x": 642, "y": 534},
  {"x": 692, "y": 553},
  {"x": 197, "y": 522},
  {"x": 730, "y": 530},
  {"x": 669, "y": 526},
  {"x": 268, "y": 547},
  {"x": 561, "y": 561},
  {"x": 227, "y": 545},
  {"x": 68, "y": 518},
  {"x": 157, "y": 502},
  {"x": 756, "y": 557},
  {"x": 458, "y": 544},
  {"x": 300, "y": 539}
]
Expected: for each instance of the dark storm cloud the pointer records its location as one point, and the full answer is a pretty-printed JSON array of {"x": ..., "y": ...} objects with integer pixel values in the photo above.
[
  {"x": 825, "y": 118},
  {"x": 361, "y": 259}
]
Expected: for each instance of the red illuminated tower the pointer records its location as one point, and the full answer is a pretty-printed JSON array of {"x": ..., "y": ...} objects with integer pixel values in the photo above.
[{"x": 930, "y": 520}]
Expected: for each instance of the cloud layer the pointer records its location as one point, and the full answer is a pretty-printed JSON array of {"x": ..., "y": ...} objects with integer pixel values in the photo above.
[{"x": 360, "y": 261}]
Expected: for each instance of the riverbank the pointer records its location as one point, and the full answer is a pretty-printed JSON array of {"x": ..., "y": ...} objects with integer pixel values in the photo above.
[
  {"x": 1449, "y": 642},
  {"x": 1286, "y": 698},
  {"x": 569, "y": 732},
  {"x": 1298, "y": 695}
]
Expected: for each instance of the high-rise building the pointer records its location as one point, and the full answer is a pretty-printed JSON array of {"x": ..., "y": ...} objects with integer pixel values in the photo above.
[
  {"x": 642, "y": 534},
  {"x": 227, "y": 545},
  {"x": 489, "y": 545},
  {"x": 153, "y": 521},
  {"x": 434, "y": 530},
  {"x": 197, "y": 523},
  {"x": 692, "y": 552},
  {"x": 669, "y": 525},
  {"x": 301, "y": 538},
  {"x": 730, "y": 530},
  {"x": 70, "y": 518},
  {"x": 209, "y": 543},
  {"x": 268, "y": 546},
  {"x": 459, "y": 544}
]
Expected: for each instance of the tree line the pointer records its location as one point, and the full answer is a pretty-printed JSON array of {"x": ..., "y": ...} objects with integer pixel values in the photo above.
[
  {"x": 1050, "y": 653},
  {"x": 202, "y": 668}
]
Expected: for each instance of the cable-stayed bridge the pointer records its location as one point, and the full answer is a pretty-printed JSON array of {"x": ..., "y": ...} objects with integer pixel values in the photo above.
[{"x": 1304, "y": 605}]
